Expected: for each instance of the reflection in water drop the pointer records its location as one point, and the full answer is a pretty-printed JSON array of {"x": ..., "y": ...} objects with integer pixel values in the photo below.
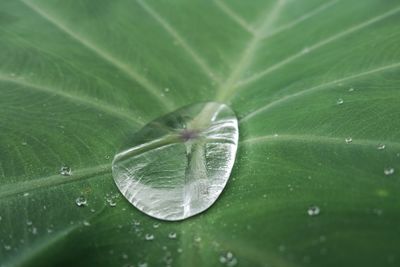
[
  {"x": 313, "y": 211},
  {"x": 81, "y": 201},
  {"x": 149, "y": 237},
  {"x": 177, "y": 166},
  {"x": 388, "y": 171},
  {"x": 172, "y": 235},
  {"x": 65, "y": 170},
  {"x": 228, "y": 259},
  {"x": 348, "y": 140},
  {"x": 381, "y": 146}
]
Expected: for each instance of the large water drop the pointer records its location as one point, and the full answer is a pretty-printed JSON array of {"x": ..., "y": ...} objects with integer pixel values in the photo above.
[{"x": 177, "y": 165}]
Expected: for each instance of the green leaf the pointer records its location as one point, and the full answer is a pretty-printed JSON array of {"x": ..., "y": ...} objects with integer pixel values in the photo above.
[{"x": 79, "y": 78}]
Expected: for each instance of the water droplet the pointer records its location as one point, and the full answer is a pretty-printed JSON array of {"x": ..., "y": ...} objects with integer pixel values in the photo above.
[
  {"x": 388, "y": 171},
  {"x": 107, "y": 156},
  {"x": 7, "y": 247},
  {"x": 197, "y": 239},
  {"x": 351, "y": 89},
  {"x": 149, "y": 237},
  {"x": 65, "y": 171},
  {"x": 179, "y": 250},
  {"x": 348, "y": 140},
  {"x": 172, "y": 235},
  {"x": 111, "y": 202},
  {"x": 34, "y": 230},
  {"x": 143, "y": 264},
  {"x": 29, "y": 223},
  {"x": 228, "y": 259},
  {"x": 81, "y": 201},
  {"x": 166, "y": 90},
  {"x": 26, "y": 194},
  {"x": 340, "y": 101},
  {"x": 86, "y": 223},
  {"x": 124, "y": 256},
  {"x": 313, "y": 211},
  {"x": 156, "y": 225},
  {"x": 381, "y": 146},
  {"x": 24, "y": 143},
  {"x": 178, "y": 165}
]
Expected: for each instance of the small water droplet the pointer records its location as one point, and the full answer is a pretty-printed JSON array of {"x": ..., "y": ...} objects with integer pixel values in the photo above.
[
  {"x": 156, "y": 225},
  {"x": 378, "y": 212},
  {"x": 81, "y": 201},
  {"x": 86, "y": 223},
  {"x": 29, "y": 223},
  {"x": 340, "y": 101},
  {"x": 149, "y": 237},
  {"x": 143, "y": 264},
  {"x": 111, "y": 202},
  {"x": 34, "y": 230},
  {"x": 107, "y": 156},
  {"x": 7, "y": 247},
  {"x": 348, "y": 140},
  {"x": 388, "y": 171},
  {"x": 124, "y": 256},
  {"x": 197, "y": 142},
  {"x": 351, "y": 89},
  {"x": 172, "y": 235},
  {"x": 24, "y": 143},
  {"x": 381, "y": 146},
  {"x": 26, "y": 194},
  {"x": 228, "y": 259},
  {"x": 65, "y": 170},
  {"x": 166, "y": 89},
  {"x": 179, "y": 250},
  {"x": 313, "y": 211},
  {"x": 197, "y": 239}
]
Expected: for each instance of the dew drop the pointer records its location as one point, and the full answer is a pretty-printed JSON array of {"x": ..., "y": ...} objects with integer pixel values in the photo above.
[
  {"x": 111, "y": 202},
  {"x": 34, "y": 230},
  {"x": 65, "y": 170},
  {"x": 172, "y": 235},
  {"x": 228, "y": 259},
  {"x": 156, "y": 225},
  {"x": 348, "y": 140},
  {"x": 143, "y": 264},
  {"x": 177, "y": 165},
  {"x": 313, "y": 211},
  {"x": 149, "y": 237},
  {"x": 81, "y": 201},
  {"x": 86, "y": 223},
  {"x": 381, "y": 147},
  {"x": 7, "y": 247},
  {"x": 340, "y": 101},
  {"x": 388, "y": 171},
  {"x": 351, "y": 89}
]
